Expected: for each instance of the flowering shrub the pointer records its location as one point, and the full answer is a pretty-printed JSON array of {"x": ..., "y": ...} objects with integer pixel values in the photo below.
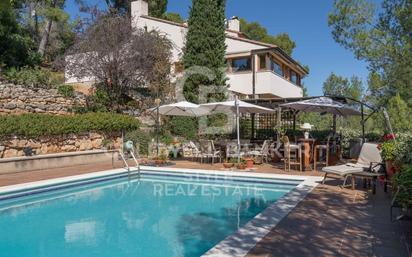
[
  {"x": 389, "y": 137},
  {"x": 388, "y": 147}
]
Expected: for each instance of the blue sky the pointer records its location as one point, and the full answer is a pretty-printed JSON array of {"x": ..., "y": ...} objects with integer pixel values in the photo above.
[{"x": 305, "y": 21}]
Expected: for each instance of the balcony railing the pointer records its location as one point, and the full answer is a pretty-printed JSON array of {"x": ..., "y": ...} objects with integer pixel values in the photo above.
[{"x": 266, "y": 83}]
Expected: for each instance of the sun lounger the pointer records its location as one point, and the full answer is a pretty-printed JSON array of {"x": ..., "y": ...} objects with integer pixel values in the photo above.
[{"x": 369, "y": 160}]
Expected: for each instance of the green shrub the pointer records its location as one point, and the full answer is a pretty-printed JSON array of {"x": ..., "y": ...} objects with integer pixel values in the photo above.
[
  {"x": 31, "y": 77},
  {"x": 403, "y": 180},
  {"x": 140, "y": 139},
  {"x": 34, "y": 125},
  {"x": 183, "y": 126},
  {"x": 403, "y": 153},
  {"x": 164, "y": 136},
  {"x": 98, "y": 102},
  {"x": 388, "y": 149},
  {"x": 66, "y": 90}
]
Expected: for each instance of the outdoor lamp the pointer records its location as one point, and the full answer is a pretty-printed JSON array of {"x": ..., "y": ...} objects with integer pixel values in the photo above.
[
  {"x": 157, "y": 102},
  {"x": 306, "y": 127}
]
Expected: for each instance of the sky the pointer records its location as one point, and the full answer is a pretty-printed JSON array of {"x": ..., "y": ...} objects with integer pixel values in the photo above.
[{"x": 307, "y": 24}]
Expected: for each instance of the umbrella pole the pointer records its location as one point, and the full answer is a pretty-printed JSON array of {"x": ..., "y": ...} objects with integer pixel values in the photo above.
[
  {"x": 363, "y": 123},
  {"x": 237, "y": 129},
  {"x": 157, "y": 132}
]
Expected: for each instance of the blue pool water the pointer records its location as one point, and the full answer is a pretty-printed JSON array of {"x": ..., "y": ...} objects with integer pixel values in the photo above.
[{"x": 156, "y": 216}]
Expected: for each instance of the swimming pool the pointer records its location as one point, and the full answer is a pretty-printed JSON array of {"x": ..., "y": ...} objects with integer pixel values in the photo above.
[{"x": 160, "y": 214}]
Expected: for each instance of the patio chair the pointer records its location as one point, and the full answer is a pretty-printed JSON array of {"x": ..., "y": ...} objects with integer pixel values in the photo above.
[
  {"x": 231, "y": 150},
  {"x": 208, "y": 151},
  {"x": 292, "y": 154},
  {"x": 369, "y": 164},
  {"x": 262, "y": 152},
  {"x": 321, "y": 154},
  {"x": 196, "y": 153}
]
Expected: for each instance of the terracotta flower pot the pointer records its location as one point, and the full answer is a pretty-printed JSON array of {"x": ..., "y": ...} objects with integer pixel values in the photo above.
[
  {"x": 249, "y": 163},
  {"x": 228, "y": 165},
  {"x": 241, "y": 166},
  {"x": 390, "y": 170}
]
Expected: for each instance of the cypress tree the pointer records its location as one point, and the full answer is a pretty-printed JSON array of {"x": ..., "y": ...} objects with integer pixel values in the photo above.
[{"x": 205, "y": 47}]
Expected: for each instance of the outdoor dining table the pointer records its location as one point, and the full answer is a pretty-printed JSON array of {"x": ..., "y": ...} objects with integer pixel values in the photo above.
[{"x": 307, "y": 153}]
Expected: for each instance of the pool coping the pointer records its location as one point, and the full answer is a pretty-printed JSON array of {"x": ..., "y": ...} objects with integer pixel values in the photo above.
[{"x": 237, "y": 244}]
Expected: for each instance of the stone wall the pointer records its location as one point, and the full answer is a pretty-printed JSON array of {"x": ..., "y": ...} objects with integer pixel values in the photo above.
[
  {"x": 13, "y": 147},
  {"x": 15, "y": 99}
]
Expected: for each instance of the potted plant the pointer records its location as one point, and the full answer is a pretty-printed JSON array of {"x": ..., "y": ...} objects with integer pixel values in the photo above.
[
  {"x": 229, "y": 164},
  {"x": 241, "y": 165},
  {"x": 249, "y": 161},
  {"x": 162, "y": 158},
  {"x": 388, "y": 152}
]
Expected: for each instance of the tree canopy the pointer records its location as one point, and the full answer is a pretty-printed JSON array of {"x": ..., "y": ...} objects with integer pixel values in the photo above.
[
  {"x": 255, "y": 31},
  {"x": 16, "y": 46},
  {"x": 121, "y": 58},
  {"x": 205, "y": 48},
  {"x": 382, "y": 37},
  {"x": 336, "y": 85}
]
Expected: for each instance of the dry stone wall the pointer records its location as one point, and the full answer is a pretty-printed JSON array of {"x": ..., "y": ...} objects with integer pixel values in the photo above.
[
  {"x": 16, "y": 99},
  {"x": 14, "y": 147}
]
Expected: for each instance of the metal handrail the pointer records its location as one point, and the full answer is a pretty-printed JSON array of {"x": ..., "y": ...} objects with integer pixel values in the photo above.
[
  {"x": 127, "y": 165},
  {"x": 137, "y": 163},
  {"x": 125, "y": 162}
]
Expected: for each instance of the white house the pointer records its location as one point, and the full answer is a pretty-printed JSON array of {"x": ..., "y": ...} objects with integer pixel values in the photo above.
[{"x": 254, "y": 69}]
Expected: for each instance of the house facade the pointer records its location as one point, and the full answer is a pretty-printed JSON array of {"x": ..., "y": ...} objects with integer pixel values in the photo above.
[{"x": 254, "y": 69}]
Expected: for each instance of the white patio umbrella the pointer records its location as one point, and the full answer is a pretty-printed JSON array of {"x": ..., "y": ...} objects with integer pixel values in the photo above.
[
  {"x": 236, "y": 107},
  {"x": 322, "y": 105},
  {"x": 183, "y": 108}
]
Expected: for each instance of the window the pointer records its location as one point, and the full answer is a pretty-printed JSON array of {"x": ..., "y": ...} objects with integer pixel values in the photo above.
[
  {"x": 294, "y": 77},
  {"x": 276, "y": 68},
  {"x": 241, "y": 64},
  {"x": 262, "y": 62}
]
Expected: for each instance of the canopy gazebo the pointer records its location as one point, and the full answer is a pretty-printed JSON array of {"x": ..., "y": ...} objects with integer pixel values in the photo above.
[{"x": 322, "y": 104}]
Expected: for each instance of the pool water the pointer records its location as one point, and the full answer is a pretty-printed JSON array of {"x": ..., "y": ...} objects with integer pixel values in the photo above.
[{"x": 155, "y": 216}]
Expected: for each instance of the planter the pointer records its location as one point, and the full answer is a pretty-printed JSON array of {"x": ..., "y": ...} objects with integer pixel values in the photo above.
[
  {"x": 159, "y": 162},
  {"x": 389, "y": 168},
  {"x": 241, "y": 166},
  {"x": 228, "y": 165},
  {"x": 249, "y": 163}
]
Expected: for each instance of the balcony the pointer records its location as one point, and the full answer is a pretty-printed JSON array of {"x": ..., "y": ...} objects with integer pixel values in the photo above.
[{"x": 267, "y": 83}]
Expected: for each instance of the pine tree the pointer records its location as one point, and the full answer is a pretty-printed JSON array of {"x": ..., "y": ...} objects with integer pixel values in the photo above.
[{"x": 205, "y": 47}]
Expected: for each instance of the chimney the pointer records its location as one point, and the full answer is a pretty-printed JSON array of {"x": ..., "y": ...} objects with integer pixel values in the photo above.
[
  {"x": 234, "y": 24},
  {"x": 139, "y": 8}
]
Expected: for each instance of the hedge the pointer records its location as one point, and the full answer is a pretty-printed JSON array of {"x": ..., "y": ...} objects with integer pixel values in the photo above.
[{"x": 34, "y": 125}]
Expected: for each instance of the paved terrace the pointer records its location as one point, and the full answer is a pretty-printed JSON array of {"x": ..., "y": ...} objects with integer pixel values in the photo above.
[{"x": 330, "y": 221}]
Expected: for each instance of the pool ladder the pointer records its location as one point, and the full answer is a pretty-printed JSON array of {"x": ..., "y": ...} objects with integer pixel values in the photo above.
[{"x": 126, "y": 165}]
